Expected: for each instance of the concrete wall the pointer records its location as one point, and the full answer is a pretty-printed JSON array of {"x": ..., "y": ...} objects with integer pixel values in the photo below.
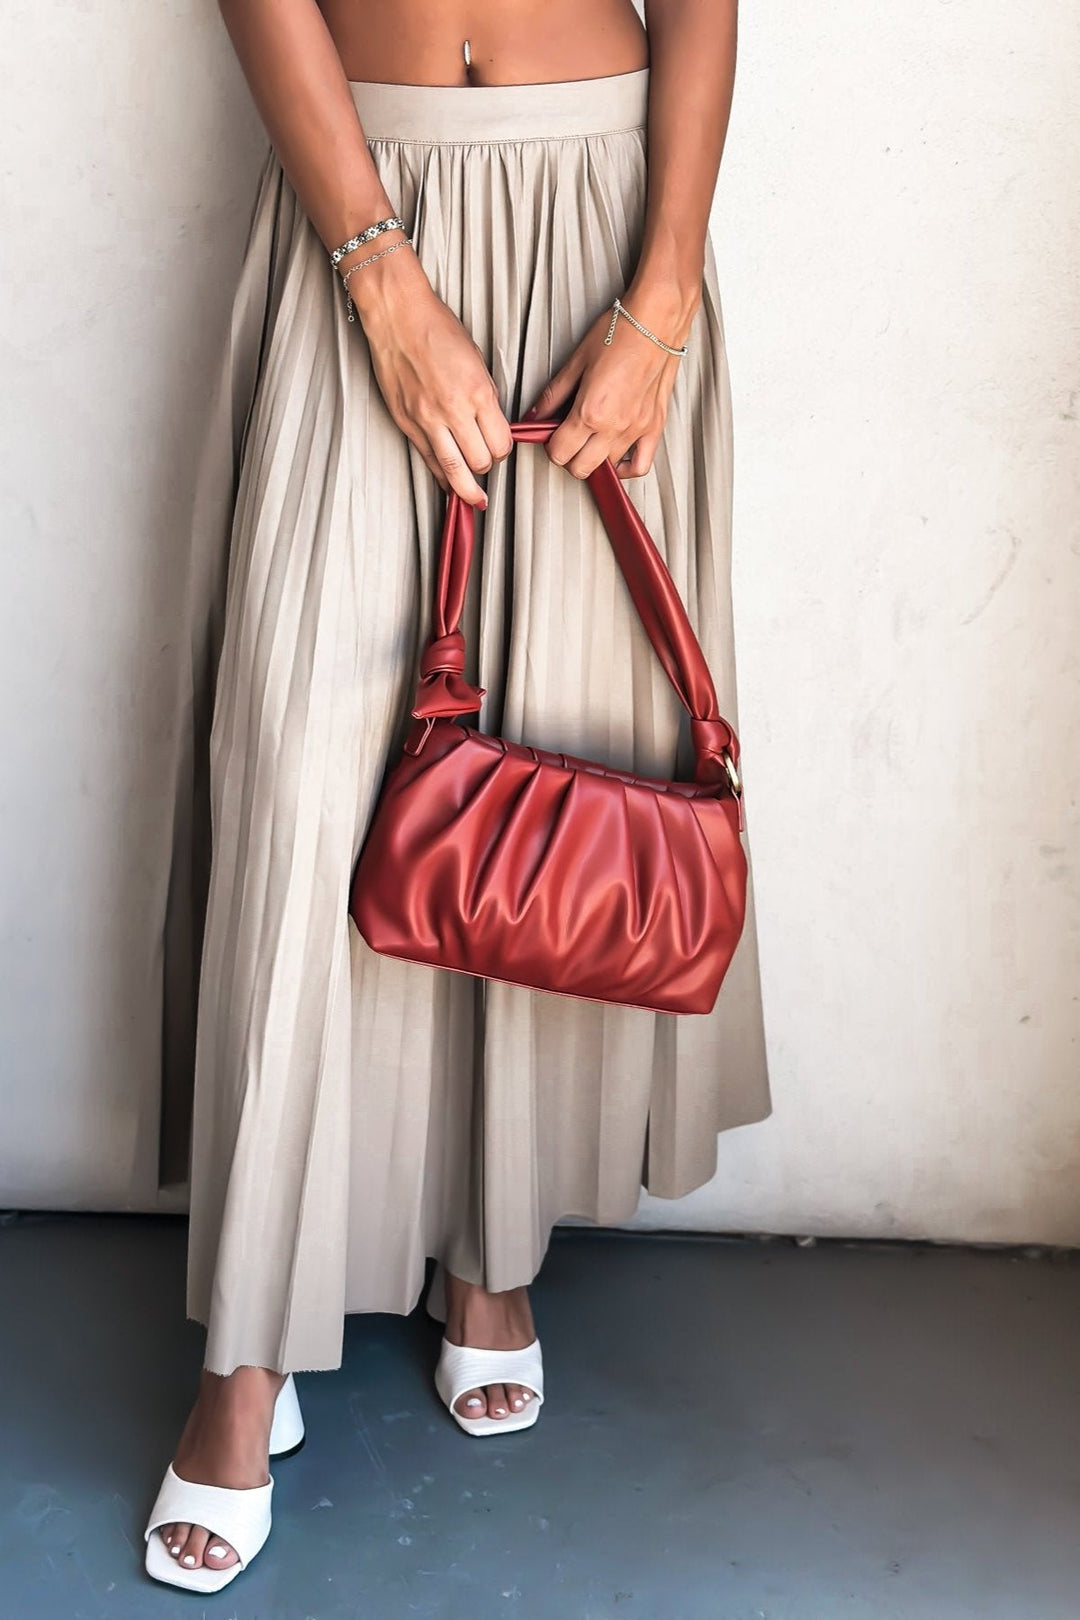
[{"x": 897, "y": 231}]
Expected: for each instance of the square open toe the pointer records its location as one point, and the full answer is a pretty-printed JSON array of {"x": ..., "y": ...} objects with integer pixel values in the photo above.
[
  {"x": 461, "y": 1368},
  {"x": 162, "y": 1566},
  {"x": 507, "y": 1425}
]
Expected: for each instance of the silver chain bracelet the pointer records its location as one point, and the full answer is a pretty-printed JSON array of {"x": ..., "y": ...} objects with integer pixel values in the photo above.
[
  {"x": 621, "y": 309},
  {"x": 369, "y": 235},
  {"x": 350, "y": 307}
]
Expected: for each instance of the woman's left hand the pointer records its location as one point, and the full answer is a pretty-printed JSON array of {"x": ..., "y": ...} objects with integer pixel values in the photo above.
[{"x": 620, "y": 395}]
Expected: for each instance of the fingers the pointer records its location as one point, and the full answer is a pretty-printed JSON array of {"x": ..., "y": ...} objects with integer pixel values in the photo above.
[
  {"x": 473, "y": 445},
  {"x": 459, "y": 450},
  {"x": 441, "y": 395},
  {"x": 555, "y": 393},
  {"x": 639, "y": 457},
  {"x": 455, "y": 456},
  {"x": 451, "y": 459},
  {"x": 598, "y": 447},
  {"x": 595, "y": 430},
  {"x": 602, "y": 425},
  {"x": 495, "y": 429},
  {"x": 580, "y": 448},
  {"x": 430, "y": 458}
]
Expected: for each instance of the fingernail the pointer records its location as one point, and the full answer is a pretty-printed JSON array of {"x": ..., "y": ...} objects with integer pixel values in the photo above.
[
  {"x": 529, "y": 414},
  {"x": 218, "y": 1552},
  {"x": 189, "y": 1558}
]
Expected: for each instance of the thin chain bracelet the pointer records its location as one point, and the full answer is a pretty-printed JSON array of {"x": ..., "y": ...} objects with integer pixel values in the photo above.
[
  {"x": 369, "y": 235},
  {"x": 621, "y": 309},
  {"x": 350, "y": 307}
]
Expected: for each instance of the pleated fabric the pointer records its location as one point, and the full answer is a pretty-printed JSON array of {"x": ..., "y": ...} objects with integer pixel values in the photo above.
[{"x": 354, "y": 1114}]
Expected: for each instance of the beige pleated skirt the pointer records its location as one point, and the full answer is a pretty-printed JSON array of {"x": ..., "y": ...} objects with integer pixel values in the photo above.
[{"x": 354, "y": 1114}]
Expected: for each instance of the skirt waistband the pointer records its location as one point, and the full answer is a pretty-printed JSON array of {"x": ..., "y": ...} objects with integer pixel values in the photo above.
[{"x": 441, "y": 113}]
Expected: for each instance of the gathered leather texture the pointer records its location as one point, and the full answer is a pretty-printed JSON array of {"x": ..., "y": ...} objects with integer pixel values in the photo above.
[{"x": 515, "y": 863}]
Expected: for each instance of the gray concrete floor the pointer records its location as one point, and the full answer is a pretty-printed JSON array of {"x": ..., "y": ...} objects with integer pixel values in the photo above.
[{"x": 734, "y": 1431}]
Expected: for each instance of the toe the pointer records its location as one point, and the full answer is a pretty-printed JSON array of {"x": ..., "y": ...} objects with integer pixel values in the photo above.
[
  {"x": 515, "y": 1394},
  {"x": 498, "y": 1405},
  {"x": 218, "y": 1554},
  {"x": 174, "y": 1536},
  {"x": 472, "y": 1404},
  {"x": 191, "y": 1555}
]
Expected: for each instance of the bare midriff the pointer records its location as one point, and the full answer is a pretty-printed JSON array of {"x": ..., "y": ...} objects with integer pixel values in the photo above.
[{"x": 512, "y": 42}]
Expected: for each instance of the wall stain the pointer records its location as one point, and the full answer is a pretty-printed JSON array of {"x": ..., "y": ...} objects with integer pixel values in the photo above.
[{"x": 999, "y": 578}]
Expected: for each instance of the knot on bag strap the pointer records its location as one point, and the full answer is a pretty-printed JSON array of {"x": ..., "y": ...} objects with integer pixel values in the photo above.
[
  {"x": 716, "y": 750},
  {"x": 442, "y": 688},
  {"x": 444, "y": 653}
]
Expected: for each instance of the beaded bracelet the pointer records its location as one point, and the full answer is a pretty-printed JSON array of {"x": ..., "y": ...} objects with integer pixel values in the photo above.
[
  {"x": 621, "y": 309},
  {"x": 369, "y": 235}
]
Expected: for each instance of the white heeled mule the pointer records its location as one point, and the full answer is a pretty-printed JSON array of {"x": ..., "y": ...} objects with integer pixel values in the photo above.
[
  {"x": 239, "y": 1517},
  {"x": 461, "y": 1368}
]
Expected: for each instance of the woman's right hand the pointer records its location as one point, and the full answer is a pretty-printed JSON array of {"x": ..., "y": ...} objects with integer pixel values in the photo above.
[{"x": 431, "y": 374}]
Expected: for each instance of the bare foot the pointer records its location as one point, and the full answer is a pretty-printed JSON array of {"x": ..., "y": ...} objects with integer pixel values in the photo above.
[
  {"x": 225, "y": 1441},
  {"x": 489, "y": 1322}
]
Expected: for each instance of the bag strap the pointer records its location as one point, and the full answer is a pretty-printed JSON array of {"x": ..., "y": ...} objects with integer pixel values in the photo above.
[{"x": 442, "y": 688}]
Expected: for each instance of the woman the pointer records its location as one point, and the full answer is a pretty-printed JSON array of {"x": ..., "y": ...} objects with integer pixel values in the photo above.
[{"x": 481, "y": 172}]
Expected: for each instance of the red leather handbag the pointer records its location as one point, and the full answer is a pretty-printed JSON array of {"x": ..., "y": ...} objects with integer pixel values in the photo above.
[{"x": 513, "y": 863}]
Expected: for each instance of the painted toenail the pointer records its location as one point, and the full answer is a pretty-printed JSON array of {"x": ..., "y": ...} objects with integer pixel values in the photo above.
[
  {"x": 218, "y": 1552},
  {"x": 189, "y": 1558},
  {"x": 500, "y": 1411},
  {"x": 518, "y": 1404},
  {"x": 475, "y": 1401},
  {"x": 174, "y": 1550}
]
